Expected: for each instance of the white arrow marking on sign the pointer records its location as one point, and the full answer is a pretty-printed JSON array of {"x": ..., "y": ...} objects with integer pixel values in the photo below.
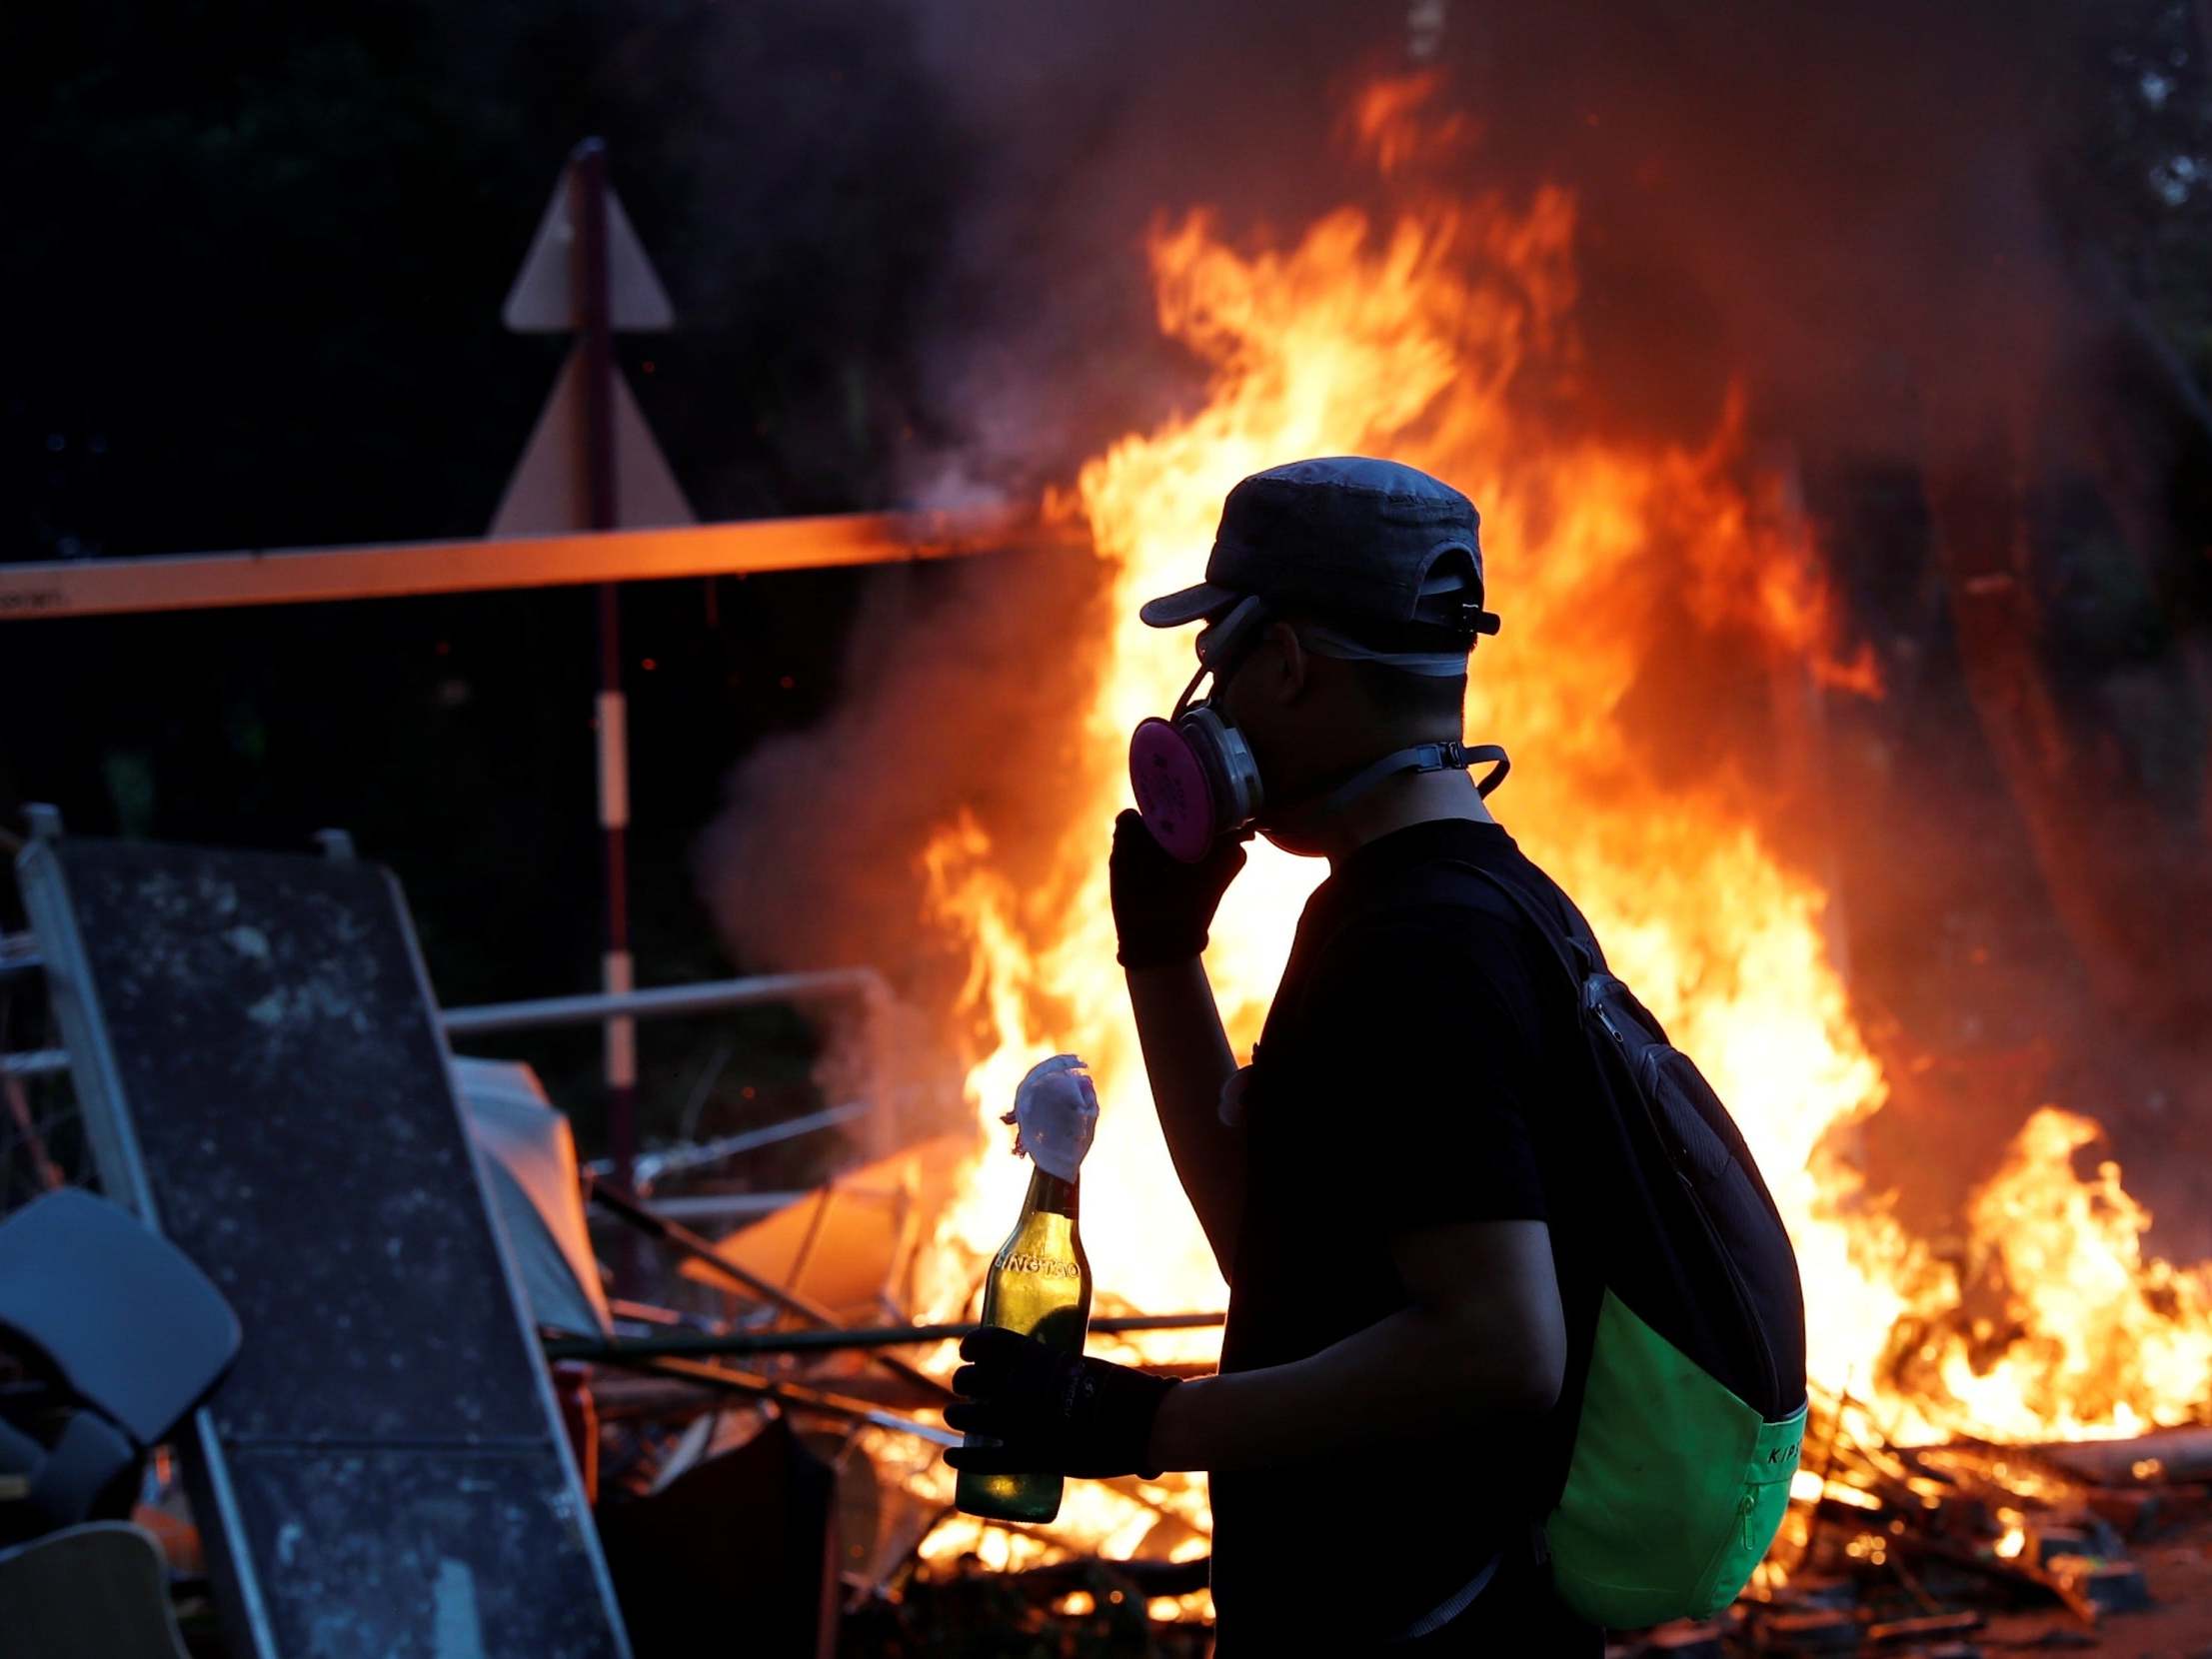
[
  {"x": 546, "y": 494},
  {"x": 544, "y": 299}
]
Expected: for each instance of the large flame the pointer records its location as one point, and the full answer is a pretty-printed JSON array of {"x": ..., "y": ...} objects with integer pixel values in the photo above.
[{"x": 1421, "y": 337}]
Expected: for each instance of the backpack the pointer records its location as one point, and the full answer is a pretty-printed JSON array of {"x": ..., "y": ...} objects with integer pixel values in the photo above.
[{"x": 1692, "y": 1408}]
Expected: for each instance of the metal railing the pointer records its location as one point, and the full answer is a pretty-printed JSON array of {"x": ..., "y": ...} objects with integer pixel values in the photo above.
[
  {"x": 835, "y": 983},
  {"x": 863, "y": 984}
]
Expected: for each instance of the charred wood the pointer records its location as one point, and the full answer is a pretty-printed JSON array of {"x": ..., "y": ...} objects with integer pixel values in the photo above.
[{"x": 2175, "y": 1457}]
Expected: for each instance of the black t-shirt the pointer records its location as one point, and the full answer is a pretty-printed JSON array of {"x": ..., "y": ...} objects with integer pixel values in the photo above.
[{"x": 1418, "y": 1068}]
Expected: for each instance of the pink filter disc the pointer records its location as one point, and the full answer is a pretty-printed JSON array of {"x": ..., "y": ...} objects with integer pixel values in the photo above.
[{"x": 1171, "y": 790}]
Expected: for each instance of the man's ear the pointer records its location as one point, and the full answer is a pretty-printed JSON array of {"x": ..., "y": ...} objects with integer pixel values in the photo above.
[{"x": 1289, "y": 672}]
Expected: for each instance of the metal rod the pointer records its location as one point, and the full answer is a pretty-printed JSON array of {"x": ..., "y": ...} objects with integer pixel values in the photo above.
[
  {"x": 19, "y": 956},
  {"x": 698, "y": 1345},
  {"x": 682, "y": 1159},
  {"x": 686, "y": 1120},
  {"x": 665, "y": 999},
  {"x": 814, "y": 1399},
  {"x": 34, "y": 1062},
  {"x": 686, "y": 1243}
]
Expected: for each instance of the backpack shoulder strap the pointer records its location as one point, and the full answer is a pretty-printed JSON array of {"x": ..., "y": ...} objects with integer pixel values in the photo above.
[
  {"x": 1582, "y": 964},
  {"x": 1569, "y": 943},
  {"x": 1573, "y": 947}
]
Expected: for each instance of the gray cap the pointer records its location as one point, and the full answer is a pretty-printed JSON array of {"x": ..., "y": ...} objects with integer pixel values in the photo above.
[{"x": 1349, "y": 539}]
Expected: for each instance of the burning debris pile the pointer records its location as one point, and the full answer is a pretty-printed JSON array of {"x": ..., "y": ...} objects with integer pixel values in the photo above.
[
  {"x": 2011, "y": 1384},
  {"x": 1445, "y": 336},
  {"x": 1673, "y": 656},
  {"x": 1894, "y": 1548}
]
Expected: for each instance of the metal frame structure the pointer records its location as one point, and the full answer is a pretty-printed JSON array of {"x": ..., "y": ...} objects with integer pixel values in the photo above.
[{"x": 124, "y": 1177}]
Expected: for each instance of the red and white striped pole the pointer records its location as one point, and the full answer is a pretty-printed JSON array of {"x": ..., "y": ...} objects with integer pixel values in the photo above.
[{"x": 588, "y": 213}]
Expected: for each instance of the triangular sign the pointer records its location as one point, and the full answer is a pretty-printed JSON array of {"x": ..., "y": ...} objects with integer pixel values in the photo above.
[
  {"x": 543, "y": 300},
  {"x": 546, "y": 494}
]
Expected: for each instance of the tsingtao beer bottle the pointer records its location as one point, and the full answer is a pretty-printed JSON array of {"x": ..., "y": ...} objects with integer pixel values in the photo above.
[{"x": 1040, "y": 1281}]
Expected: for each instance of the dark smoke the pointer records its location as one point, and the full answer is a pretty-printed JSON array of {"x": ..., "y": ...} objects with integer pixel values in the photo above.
[
  {"x": 1848, "y": 206},
  {"x": 960, "y": 679},
  {"x": 1887, "y": 222}
]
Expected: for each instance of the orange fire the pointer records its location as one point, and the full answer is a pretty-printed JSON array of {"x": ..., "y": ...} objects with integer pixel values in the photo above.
[{"x": 1417, "y": 338}]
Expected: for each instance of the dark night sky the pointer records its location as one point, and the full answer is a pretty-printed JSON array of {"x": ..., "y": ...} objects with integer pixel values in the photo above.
[
  {"x": 265, "y": 249},
  {"x": 256, "y": 255}
]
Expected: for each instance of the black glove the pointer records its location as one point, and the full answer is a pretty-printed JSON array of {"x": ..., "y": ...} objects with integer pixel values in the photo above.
[
  {"x": 1052, "y": 1412},
  {"x": 1161, "y": 905}
]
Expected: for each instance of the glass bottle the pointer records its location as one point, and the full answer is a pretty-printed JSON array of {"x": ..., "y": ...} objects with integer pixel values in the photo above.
[{"x": 1039, "y": 1286}]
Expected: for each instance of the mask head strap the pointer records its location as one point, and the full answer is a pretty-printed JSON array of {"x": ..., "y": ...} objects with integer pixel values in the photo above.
[
  {"x": 1222, "y": 644},
  {"x": 1442, "y": 757},
  {"x": 1449, "y": 756},
  {"x": 1326, "y": 641}
]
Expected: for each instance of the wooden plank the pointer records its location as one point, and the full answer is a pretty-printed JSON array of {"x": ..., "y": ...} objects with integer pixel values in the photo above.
[
  {"x": 292, "y": 576},
  {"x": 2173, "y": 1456}
]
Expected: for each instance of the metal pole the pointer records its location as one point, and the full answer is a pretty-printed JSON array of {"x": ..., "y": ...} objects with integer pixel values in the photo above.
[
  {"x": 653, "y": 1165},
  {"x": 34, "y": 1062},
  {"x": 702, "y": 998},
  {"x": 814, "y": 1399},
  {"x": 601, "y": 511},
  {"x": 703, "y": 1344},
  {"x": 680, "y": 1238}
]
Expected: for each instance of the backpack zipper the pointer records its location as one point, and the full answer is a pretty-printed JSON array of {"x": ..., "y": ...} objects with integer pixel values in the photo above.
[
  {"x": 1751, "y": 1321},
  {"x": 1590, "y": 1008},
  {"x": 1742, "y": 1291}
]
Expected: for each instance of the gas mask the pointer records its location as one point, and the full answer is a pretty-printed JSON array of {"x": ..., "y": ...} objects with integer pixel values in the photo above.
[{"x": 1194, "y": 774}]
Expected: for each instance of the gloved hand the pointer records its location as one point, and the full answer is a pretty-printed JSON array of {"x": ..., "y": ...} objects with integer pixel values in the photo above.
[
  {"x": 1161, "y": 905},
  {"x": 1052, "y": 1412}
]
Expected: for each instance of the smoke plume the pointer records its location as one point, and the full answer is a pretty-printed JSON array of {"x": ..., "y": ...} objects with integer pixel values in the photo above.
[{"x": 1881, "y": 222}]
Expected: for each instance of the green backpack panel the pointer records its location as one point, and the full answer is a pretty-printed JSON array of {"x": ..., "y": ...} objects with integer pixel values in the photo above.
[{"x": 1675, "y": 1489}]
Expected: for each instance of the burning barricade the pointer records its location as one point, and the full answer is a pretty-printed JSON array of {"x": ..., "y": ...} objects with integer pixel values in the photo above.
[
  {"x": 1444, "y": 333},
  {"x": 2000, "y": 1410}
]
